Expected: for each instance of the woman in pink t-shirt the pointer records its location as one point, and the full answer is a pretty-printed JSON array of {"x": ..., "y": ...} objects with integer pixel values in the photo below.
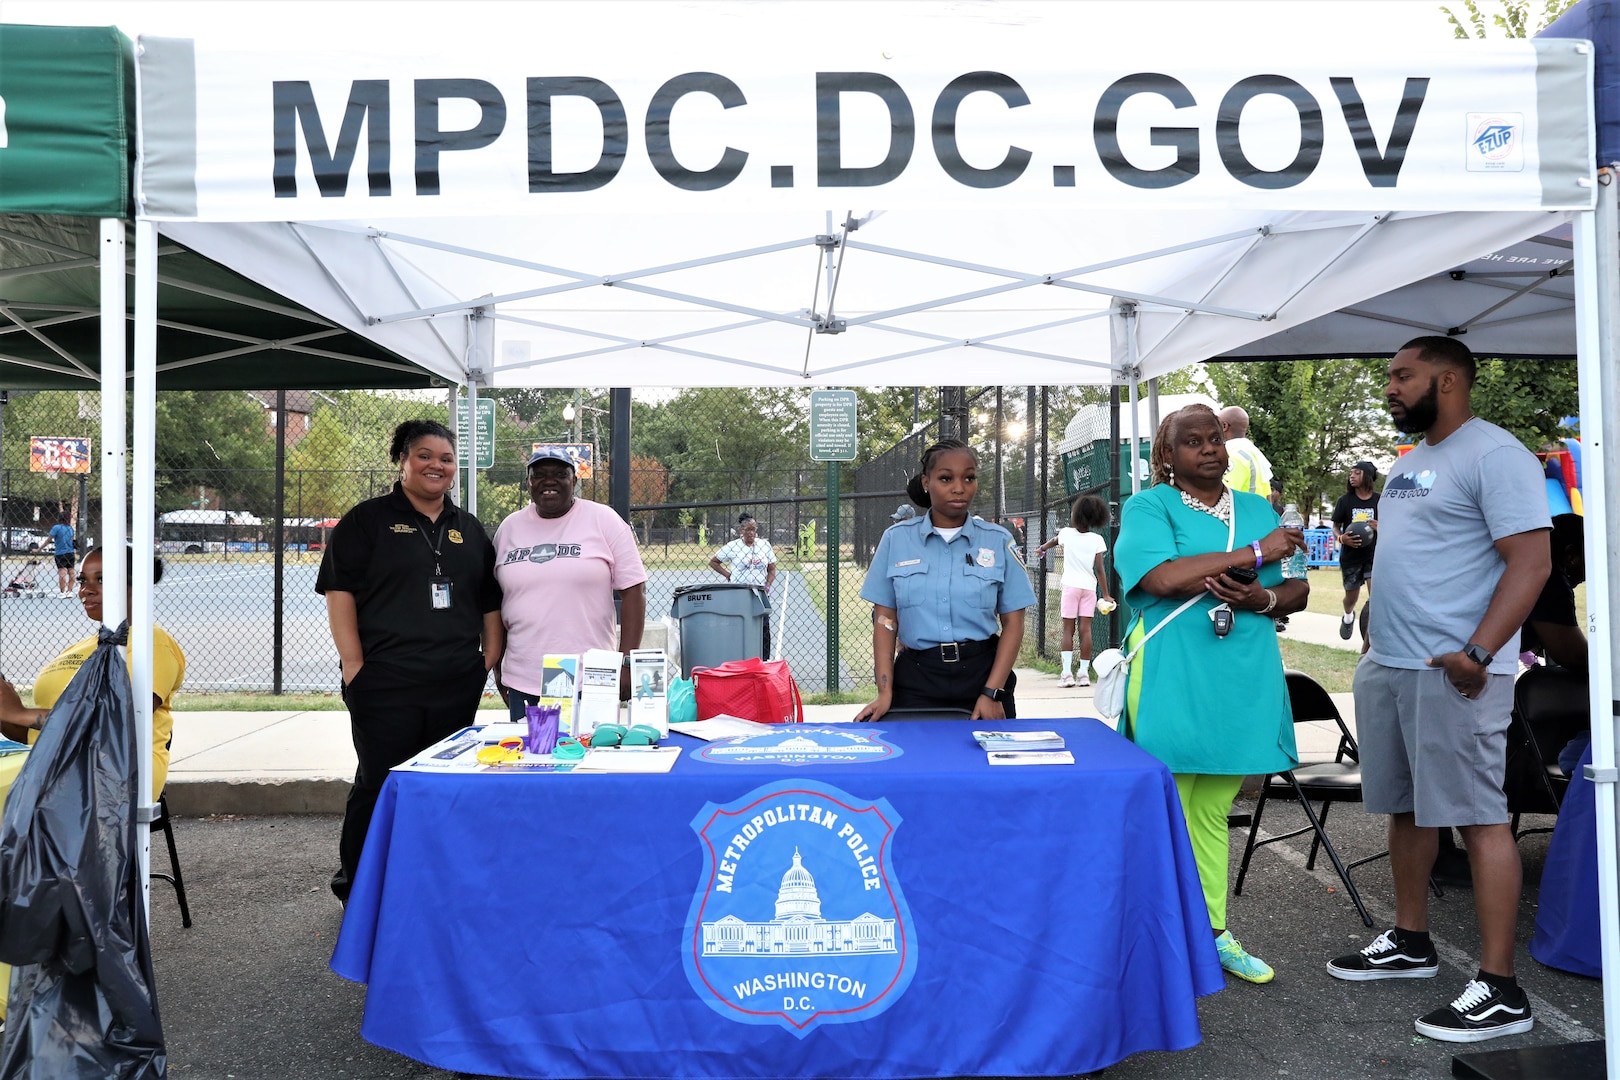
[{"x": 560, "y": 562}]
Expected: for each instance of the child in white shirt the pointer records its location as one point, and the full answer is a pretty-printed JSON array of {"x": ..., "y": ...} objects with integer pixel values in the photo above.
[{"x": 1083, "y": 580}]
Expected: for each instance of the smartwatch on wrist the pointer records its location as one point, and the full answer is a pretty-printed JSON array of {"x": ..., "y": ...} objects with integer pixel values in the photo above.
[
  {"x": 992, "y": 693},
  {"x": 1478, "y": 654}
]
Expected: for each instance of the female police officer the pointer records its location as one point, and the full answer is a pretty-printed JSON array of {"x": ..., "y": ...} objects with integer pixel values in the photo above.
[{"x": 941, "y": 583}]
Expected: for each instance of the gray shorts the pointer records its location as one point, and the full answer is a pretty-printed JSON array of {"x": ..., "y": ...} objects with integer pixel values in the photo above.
[{"x": 1428, "y": 751}]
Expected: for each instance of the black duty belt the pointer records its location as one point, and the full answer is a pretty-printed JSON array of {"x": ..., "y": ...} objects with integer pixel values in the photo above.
[{"x": 952, "y": 651}]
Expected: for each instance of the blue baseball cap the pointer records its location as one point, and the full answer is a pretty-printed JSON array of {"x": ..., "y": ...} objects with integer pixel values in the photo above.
[{"x": 552, "y": 453}]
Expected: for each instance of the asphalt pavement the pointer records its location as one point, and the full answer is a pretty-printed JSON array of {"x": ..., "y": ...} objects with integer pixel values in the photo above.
[{"x": 247, "y": 993}]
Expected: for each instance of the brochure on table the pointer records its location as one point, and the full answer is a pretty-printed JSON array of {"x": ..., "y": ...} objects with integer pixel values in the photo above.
[
  {"x": 559, "y": 685},
  {"x": 599, "y": 671}
]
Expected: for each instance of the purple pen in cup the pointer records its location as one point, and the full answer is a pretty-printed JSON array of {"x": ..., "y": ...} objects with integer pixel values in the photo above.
[{"x": 543, "y": 722}]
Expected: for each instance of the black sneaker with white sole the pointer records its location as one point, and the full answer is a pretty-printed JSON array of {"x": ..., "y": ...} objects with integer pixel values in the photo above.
[
  {"x": 1384, "y": 959},
  {"x": 1481, "y": 1012},
  {"x": 1346, "y": 625}
]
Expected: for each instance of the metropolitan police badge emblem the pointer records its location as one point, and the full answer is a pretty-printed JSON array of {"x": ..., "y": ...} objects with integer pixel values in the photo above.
[
  {"x": 987, "y": 556},
  {"x": 798, "y": 919},
  {"x": 796, "y": 744},
  {"x": 455, "y": 536}
]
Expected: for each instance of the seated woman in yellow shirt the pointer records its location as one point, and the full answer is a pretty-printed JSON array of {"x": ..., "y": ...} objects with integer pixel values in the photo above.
[{"x": 168, "y": 670}]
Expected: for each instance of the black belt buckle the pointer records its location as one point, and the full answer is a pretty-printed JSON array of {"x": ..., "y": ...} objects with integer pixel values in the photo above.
[{"x": 953, "y": 656}]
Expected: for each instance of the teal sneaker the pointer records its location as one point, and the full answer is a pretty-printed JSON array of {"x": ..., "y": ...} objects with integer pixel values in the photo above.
[{"x": 1236, "y": 959}]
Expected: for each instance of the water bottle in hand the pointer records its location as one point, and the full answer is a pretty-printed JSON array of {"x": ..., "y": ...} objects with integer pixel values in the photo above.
[{"x": 1295, "y": 565}]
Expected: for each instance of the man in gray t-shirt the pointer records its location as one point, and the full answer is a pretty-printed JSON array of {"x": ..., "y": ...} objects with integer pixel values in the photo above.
[
  {"x": 1462, "y": 555},
  {"x": 1444, "y": 508}
]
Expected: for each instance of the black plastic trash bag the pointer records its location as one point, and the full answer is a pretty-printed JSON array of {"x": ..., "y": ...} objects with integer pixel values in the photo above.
[{"x": 82, "y": 1004}]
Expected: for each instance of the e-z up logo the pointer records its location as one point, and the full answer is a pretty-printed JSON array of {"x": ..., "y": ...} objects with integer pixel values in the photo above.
[
  {"x": 1495, "y": 142},
  {"x": 798, "y": 919}
]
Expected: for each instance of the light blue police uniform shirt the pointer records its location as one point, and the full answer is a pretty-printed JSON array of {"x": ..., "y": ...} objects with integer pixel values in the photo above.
[{"x": 947, "y": 592}]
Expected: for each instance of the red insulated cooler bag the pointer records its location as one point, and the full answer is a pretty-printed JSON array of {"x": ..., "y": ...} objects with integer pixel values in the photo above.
[{"x": 752, "y": 689}]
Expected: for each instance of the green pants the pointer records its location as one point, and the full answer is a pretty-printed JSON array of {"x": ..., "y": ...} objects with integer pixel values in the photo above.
[{"x": 1206, "y": 801}]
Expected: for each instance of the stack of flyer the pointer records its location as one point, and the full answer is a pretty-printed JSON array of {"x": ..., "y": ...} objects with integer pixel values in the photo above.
[{"x": 1024, "y": 747}]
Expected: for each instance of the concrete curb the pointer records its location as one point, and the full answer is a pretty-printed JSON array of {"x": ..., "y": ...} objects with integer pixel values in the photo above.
[{"x": 256, "y": 796}]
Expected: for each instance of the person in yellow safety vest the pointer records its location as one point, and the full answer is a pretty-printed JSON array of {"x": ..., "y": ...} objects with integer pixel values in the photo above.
[{"x": 1248, "y": 469}]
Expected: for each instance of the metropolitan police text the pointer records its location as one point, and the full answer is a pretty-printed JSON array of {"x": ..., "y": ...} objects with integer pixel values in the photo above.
[{"x": 757, "y": 824}]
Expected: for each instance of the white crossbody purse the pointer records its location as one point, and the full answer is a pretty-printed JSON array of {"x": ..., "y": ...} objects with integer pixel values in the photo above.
[{"x": 1113, "y": 666}]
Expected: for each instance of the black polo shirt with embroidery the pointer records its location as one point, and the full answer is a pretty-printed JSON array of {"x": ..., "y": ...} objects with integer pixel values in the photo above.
[{"x": 382, "y": 551}]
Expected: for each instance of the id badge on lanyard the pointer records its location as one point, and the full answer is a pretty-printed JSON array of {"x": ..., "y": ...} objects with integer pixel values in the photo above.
[{"x": 441, "y": 591}]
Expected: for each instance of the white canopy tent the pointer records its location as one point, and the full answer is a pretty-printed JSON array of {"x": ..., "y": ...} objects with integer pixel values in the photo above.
[{"x": 678, "y": 195}]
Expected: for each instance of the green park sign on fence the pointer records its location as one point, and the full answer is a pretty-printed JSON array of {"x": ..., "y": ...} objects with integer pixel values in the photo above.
[
  {"x": 486, "y": 433},
  {"x": 832, "y": 425}
]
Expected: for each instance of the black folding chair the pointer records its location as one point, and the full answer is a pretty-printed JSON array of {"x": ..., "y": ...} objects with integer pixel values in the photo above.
[
  {"x": 1550, "y": 708},
  {"x": 161, "y": 824},
  {"x": 1327, "y": 782}
]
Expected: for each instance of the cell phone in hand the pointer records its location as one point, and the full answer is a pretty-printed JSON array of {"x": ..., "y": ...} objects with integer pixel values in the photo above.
[{"x": 1243, "y": 575}]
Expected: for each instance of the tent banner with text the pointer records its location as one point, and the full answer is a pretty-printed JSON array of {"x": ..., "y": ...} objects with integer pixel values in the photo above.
[{"x": 642, "y": 107}]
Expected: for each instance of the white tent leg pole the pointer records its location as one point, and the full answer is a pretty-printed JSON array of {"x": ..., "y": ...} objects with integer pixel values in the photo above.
[
  {"x": 114, "y": 456},
  {"x": 481, "y": 350},
  {"x": 143, "y": 526},
  {"x": 1132, "y": 359},
  {"x": 471, "y": 449},
  {"x": 1597, "y": 298},
  {"x": 1153, "y": 405}
]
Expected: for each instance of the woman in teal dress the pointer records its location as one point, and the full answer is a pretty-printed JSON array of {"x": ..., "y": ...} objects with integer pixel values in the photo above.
[{"x": 1212, "y": 706}]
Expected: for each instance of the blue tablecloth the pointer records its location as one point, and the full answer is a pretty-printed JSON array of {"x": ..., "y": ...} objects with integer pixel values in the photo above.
[
  {"x": 1568, "y": 933},
  {"x": 978, "y": 920}
]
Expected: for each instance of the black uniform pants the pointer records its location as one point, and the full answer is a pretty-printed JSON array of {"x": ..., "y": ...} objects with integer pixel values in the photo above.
[
  {"x": 926, "y": 679},
  {"x": 391, "y": 723}
]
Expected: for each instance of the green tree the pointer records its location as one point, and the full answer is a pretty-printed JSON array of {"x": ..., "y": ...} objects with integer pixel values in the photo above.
[
  {"x": 214, "y": 446},
  {"x": 1530, "y": 398},
  {"x": 1285, "y": 416},
  {"x": 320, "y": 471},
  {"x": 1515, "y": 18},
  {"x": 729, "y": 444}
]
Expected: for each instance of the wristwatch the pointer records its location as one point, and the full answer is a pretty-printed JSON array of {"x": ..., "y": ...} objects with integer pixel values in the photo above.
[
  {"x": 992, "y": 693},
  {"x": 1478, "y": 655}
]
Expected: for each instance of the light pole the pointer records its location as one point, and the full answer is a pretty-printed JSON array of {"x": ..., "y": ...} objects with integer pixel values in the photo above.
[
  {"x": 1015, "y": 435},
  {"x": 571, "y": 415}
]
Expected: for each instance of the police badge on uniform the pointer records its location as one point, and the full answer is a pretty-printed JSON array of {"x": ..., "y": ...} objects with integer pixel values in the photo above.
[
  {"x": 987, "y": 556},
  {"x": 798, "y": 919}
]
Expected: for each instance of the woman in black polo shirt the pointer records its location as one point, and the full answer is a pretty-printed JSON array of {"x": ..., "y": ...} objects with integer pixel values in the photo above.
[{"x": 415, "y": 612}]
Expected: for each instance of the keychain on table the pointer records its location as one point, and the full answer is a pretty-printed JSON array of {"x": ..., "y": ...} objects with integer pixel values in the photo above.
[{"x": 503, "y": 752}]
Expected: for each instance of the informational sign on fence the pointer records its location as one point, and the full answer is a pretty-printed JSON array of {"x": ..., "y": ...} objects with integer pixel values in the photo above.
[
  {"x": 832, "y": 425},
  {"x": 48, "y": 454},
  {"x": 486, "y": 433}
]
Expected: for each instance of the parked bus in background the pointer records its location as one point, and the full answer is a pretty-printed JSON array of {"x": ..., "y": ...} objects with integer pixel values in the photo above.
[{"x": 198, "y": 532}]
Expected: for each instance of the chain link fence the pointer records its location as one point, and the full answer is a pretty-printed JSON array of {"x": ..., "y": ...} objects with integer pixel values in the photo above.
[{"x": 238, "y": 589}]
